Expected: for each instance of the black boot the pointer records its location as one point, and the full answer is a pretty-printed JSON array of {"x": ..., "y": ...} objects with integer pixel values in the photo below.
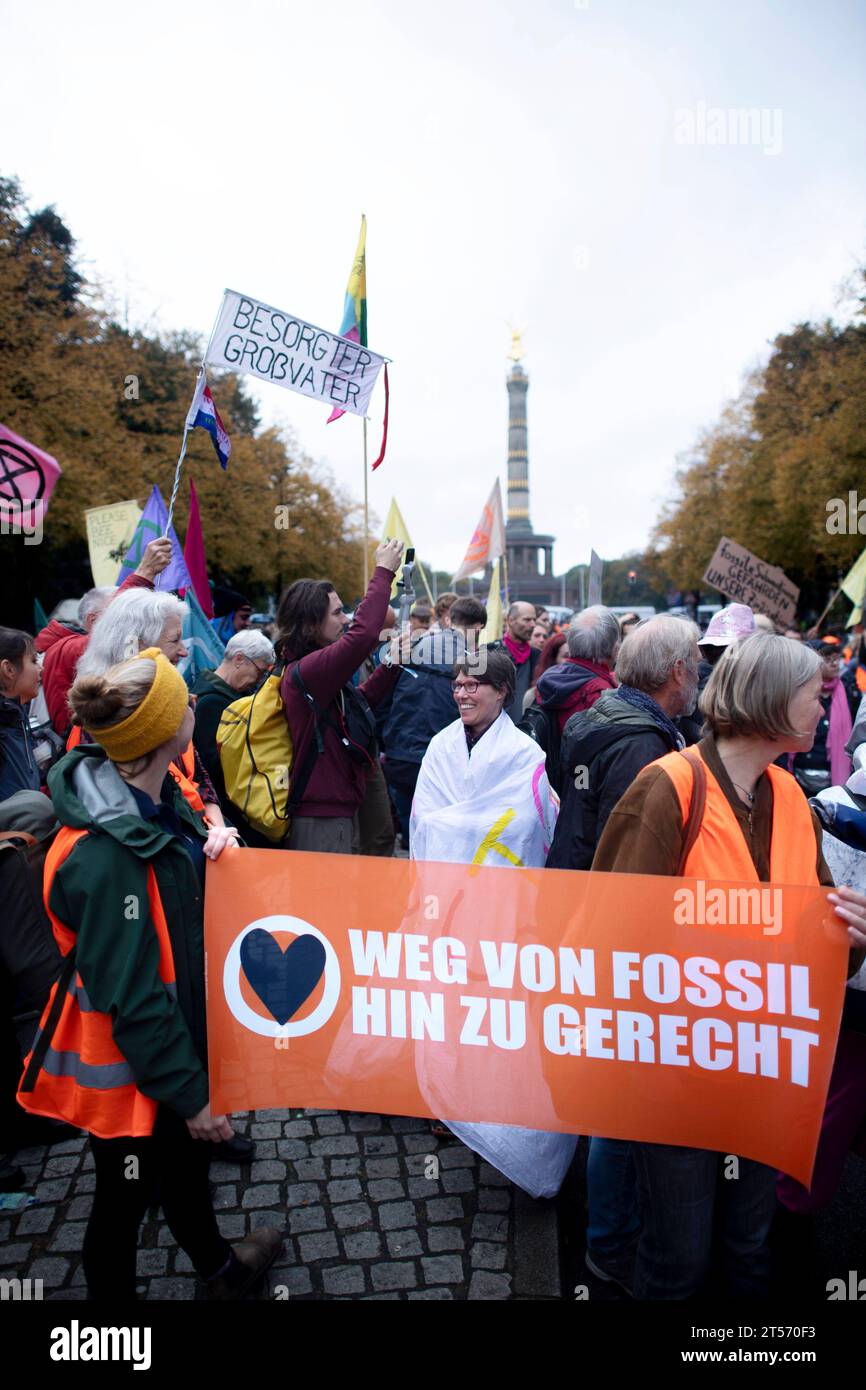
[{"x": 238, "y": 1149}]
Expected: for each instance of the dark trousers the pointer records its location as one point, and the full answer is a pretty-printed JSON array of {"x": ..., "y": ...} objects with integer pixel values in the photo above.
[
  {"x": 401, "y": 778},
  {"x": 685, "y": 1198},
  {"x": 169, "y": 1167},
  {"x": 375, "y": 822}
]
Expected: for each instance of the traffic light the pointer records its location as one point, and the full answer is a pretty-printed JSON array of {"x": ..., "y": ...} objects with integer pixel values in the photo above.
[{"x": 632, "y": 578}]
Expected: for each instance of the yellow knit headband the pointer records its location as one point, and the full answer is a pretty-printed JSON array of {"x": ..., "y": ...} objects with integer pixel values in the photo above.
[{"x": 154, "y": 722}]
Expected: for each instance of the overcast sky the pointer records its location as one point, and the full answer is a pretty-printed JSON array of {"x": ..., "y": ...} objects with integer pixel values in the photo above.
[{"x": 545, "y": 165}]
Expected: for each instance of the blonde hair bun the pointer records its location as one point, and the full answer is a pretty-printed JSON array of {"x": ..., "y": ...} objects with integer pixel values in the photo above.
[{"x": 94, "y": 700}]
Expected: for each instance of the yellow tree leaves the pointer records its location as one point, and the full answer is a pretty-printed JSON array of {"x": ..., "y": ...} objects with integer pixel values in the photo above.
[
  {"x": 110, "y": 405},
  {"x": 766, "y": 472}
]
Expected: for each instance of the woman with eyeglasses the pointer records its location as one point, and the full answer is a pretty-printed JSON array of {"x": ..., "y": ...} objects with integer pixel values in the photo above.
[
  {"x": 247, "y": 659},
  {"x": 483, "y": 798},
  {"x": 477, "y": 769}
]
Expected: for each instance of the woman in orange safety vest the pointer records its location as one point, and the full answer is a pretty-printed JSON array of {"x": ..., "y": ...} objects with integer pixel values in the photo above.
[
  {"x": 722, "y": 810},
  {"x": 122, "y": 1049}
]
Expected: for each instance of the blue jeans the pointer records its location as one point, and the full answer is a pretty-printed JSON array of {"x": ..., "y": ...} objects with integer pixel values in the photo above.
[
  {"x": 684, "y": 1195},
  {"x": 612, "y": 1189}
]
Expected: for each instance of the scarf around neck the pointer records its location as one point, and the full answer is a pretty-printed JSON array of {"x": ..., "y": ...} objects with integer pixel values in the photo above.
[
  {"x": 640, "y": 700},
  {"x": 838, "y": 731},
  {"x": 519, "y": 651}
]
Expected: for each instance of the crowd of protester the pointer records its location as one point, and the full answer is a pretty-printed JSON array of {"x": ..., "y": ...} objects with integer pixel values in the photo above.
[{"x": 405, "y": 738}]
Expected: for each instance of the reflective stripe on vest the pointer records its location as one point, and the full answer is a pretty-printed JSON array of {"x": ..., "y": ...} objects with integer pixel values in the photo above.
[
  {"x": 85, "y": 1079},
  {"x": 183, "y": 772},
  {"x": 720, "y": 850}
]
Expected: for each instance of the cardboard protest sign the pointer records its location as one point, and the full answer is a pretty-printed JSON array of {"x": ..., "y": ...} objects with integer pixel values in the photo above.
[
  {"x": 274, "y": 346},
  {"x": 746, "y": 578},
  {"x": 109, "y": 535},
  {"x": 647, "y": 1008}
]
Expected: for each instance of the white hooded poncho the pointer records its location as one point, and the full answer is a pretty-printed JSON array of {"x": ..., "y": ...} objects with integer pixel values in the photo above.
[{"x": 493, "y": 807}]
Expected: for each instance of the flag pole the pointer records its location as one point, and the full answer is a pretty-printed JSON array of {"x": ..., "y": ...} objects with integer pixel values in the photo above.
[
  {"x": 832, "y": 600},
  {"x": 366, "y": 516},
  {"x": 202, "y": 373},
  {"x": 180, "y": 460}
]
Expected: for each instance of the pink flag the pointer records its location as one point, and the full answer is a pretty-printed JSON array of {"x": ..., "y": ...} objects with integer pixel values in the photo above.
[
  {"x": 27, "y": 476},
  {"x": 193, "y": 553}
]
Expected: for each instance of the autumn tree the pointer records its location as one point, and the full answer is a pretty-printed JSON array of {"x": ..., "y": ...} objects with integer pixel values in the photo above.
[
  {"x": 110, "y": 402},
  {"x": 767, "y": 473}
]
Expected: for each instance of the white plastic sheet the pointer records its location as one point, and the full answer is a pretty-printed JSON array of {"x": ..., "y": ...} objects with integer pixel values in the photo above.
[{"x": 494, "y": 807}]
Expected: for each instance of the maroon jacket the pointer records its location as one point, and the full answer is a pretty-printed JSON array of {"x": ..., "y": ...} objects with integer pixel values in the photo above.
[
  {"x": 558, "y": 689},
  {"x": 63, "y": 647},
  {"x": 337, "y": 783}
]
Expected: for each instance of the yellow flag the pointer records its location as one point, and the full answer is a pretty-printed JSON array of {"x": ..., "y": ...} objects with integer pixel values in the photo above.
[
  {"x": 397, "y": 530},
  {"x": 493, "y": 630},
  {"x": 854, "y": 583}
]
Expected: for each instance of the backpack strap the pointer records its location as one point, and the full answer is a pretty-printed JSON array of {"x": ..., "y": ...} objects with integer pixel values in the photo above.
[
  {"x": 692, "y": 827},
  {"x": 23, "y": 835},
  {"x": 315, "y": 746}
]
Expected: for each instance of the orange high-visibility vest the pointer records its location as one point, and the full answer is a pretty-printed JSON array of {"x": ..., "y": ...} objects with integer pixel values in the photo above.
[
  {"x": 84, "y": 1078},
  {"x": 183, "y": 771},
  {"x": 720, "y": 850}
]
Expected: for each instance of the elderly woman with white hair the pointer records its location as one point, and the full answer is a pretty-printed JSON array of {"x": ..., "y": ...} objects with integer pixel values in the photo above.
[
  {"x": 751, "y": 823},
  {"x": 136, "y": 620},
  {"x": 247, "y": 659}
]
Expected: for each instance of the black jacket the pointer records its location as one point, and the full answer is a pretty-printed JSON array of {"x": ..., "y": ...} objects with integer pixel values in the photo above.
[
  {"x": 525, "y": 672},
  {"x": 603, "y": 750},
  {"x": 421, "y": 703}
]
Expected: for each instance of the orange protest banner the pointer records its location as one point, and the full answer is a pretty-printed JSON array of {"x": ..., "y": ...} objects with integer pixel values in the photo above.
[{"x": 668, "y": 1010}]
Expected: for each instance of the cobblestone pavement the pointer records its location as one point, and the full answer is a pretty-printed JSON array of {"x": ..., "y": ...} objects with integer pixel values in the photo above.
[{"x": 373, "y": 1207}]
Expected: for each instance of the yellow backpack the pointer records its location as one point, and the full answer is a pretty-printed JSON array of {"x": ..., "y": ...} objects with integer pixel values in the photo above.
[{"x": 255, "y": 749}]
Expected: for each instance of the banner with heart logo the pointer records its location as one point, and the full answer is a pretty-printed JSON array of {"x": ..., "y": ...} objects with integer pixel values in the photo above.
[{"x": 672, "y": 1011}]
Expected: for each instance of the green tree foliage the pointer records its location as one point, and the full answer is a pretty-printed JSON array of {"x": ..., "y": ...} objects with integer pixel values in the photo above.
[
  {"x": 109, "y": 403},
  {"x": 765, "y": 473}
]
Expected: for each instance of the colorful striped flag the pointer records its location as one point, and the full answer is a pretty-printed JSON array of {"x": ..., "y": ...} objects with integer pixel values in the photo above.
[
  {"x": 203, "y": 414},
  {"x": 354, "y": 324}
]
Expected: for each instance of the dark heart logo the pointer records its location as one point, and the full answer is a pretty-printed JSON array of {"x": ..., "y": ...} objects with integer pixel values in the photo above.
[{"x": 283, "y": 980}]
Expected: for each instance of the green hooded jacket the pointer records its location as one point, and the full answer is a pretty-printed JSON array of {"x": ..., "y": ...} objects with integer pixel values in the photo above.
[{"x": 100, "y": 893}]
